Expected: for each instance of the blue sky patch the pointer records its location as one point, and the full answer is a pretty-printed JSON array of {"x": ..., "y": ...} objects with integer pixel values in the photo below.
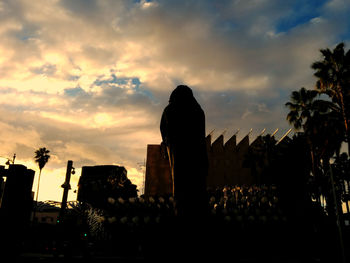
[
  {"x": 134, "y": 84},
  {"x": 302, "y": 12},
  {"x": 74, "y": 91}
]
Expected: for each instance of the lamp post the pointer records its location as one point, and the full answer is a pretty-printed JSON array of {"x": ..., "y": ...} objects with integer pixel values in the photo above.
[{"x": 66, "y": 187}]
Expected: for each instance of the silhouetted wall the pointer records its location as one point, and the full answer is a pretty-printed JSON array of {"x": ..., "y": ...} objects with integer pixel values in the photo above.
[
  {"x": 158, "y": 177},
  {"x": 226, "y": 165},
  {"x": 226, "y": 162},
  {"x": 17, "y": 198}
]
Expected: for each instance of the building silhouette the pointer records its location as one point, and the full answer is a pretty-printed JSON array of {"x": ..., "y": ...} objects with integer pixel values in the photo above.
[
  {"x": 16, "y": 205},
  {"x": 227, "y": 164},
  {"x": 47, "y": 212},
  {"x": 100, "y": 182},
  {"x": 16, "y": 195}
]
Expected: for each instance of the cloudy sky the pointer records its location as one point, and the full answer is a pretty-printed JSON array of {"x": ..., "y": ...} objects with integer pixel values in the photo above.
[{"x": 89, "y": 79}]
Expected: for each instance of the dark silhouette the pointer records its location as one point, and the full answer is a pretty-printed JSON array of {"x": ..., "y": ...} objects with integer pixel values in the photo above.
[
  {"x": 41, "y": 157},
  {"x": 100, "y": 182},
  {"x": 183, "y": 132},
  {"x": 333, "y": 73},
  {"x": 16, "y": 206},
  {"x": 324, "y": 122}
]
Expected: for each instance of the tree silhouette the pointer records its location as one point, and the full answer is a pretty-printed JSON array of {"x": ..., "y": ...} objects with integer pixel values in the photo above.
[
  {"x": 319, "y": 119},
  {"x": 323, "y": 129},
  {"x": 325, "y": 125},
  {"x": 333, "y": 73},
  {"x": 301, "y": 107},
  {"x": 41, "y": 158},
  {"x": 341, "y": 168}
]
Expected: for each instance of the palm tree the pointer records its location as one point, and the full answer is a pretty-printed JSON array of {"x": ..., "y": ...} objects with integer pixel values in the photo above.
[
  {"x": 318, "y": 119},
  {"x": 41, "y": 157},
  {"x": 301, "y": 107},
  {"x": 326, "y": 131},
  {"x": 333, "y": 73}
]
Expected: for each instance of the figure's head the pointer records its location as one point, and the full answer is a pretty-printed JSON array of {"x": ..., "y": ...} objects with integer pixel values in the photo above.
[{"x": 182, "y": 94}]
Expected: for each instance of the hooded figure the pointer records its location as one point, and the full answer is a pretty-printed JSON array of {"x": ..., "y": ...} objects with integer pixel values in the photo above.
[{"x": 183, "y": 132}]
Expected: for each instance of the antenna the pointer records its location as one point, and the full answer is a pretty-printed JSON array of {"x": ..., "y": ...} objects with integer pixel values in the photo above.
[
  {"x": 284, "y": 136},
  {"x": 250, "y": 131},
  {"x": 236, "y": 132}
]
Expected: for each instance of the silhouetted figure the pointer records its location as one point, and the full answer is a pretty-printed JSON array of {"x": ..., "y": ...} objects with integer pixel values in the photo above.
[{"x": 183, "y": 132}]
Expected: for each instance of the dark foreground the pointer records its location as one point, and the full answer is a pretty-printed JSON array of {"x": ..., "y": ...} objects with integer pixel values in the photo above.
[
  {"x": 220, "y": 244},
  {"x": 49, "y": 258},
  {"x": 239, "y": 227}
]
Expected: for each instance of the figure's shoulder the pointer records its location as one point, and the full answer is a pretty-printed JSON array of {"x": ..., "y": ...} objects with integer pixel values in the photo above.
[
  {"x": 199, "y": 109},
  {"x": 166, "y": 109},
  {"x": 169, "y": 108}
]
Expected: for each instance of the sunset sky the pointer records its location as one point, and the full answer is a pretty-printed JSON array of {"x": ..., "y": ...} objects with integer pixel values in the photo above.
[{"x": 89, "y": 79}]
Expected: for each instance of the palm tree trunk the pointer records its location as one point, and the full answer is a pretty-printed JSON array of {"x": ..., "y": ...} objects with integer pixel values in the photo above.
[
  {"x": 313, "y": 167},
  {"x": 36, "y": 198},
  {"x": 343, "y": 112},
  {"x": 37, "y": 189},
  {"x": 331, "y": 208}
]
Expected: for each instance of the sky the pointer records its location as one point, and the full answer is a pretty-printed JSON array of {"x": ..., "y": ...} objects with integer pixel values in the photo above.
[{"x": 89, "y": 79}]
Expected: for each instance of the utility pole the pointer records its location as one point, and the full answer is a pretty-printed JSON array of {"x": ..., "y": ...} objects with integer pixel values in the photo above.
[{"x": 66, "y": 187}]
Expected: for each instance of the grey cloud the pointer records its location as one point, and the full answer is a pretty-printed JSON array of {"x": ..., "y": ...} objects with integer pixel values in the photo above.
[
  {"x": 86, "y": 146},
  {"x": 114, "y": 96},
  {"x": 81, "y": 6},
  {"x": 237, "y": 54},
  {"x": 47, "y": 69},
  {"x": 237, "y": 110},
  {"x": 77, "y": 91},
  {"x": 100, "y": 56},
  {"x": 171, "y": 29}
]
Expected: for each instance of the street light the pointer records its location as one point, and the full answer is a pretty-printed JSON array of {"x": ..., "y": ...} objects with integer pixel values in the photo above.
[
  {"x": 9, "y": 161},
  {"x": 66, "y": 187}
]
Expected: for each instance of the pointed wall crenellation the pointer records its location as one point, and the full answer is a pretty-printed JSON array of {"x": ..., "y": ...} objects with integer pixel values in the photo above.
[
  {"x": 227, "y": 163},
  {"x": 231, "y": 144},
  {"x": 218, "y": 145}
]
